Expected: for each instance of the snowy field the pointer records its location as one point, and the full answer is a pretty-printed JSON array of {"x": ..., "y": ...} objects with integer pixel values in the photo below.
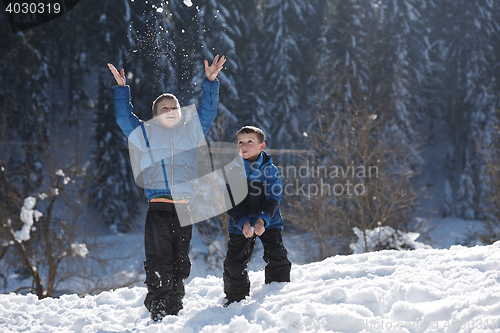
[{"x": 429, "y": 290}]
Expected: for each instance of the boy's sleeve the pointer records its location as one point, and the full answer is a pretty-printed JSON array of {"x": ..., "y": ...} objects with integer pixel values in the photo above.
[
  {"x": 208, "y": 106},
  {"x": 272, "y": 195},
  {"x": 125, "y": 118},
  {"x": 239, "y": 216},
  {"x": 238, "y": 213}
]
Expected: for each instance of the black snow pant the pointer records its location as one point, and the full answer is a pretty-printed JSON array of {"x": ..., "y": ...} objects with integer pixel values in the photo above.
[
  {"x": 167, "y": 253},
  {"x": 239, "y": 253}
]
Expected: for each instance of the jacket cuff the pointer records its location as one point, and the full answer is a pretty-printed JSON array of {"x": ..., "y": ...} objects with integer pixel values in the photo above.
[
  {"x": 242, "y": 221},
  {"x": 210, "y": 86},
  {"x": 266, "y": 217},
  {"x": 122, "y": 92}
]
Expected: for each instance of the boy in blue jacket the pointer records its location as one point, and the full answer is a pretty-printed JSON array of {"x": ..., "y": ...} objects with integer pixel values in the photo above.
[
  {"x": 167, "y": 161},
  {"x": 257, "y": 215}
]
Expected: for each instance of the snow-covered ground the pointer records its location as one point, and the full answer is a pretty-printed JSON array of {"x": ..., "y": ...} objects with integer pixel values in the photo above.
[{"x": 427, "y": 290}]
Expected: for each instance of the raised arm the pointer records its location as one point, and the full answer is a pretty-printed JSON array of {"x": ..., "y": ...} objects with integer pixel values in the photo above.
[
  {"x": 125, "y": 118},
  {"x": 210, "y": 94}
]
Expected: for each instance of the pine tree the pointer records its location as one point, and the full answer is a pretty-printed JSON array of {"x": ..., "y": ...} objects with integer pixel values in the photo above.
[
  {"x": 371, "y": 61},
  {"x": 213, "y": 26},
  {"x": 253, "y": 96},
  {"x": 24, "y": 107},
  {"x": 284, "y": 27},
  {"x": 243, "y": 27},
  {"x": 115, "y": 194},
  {"x": 408, "y": 65},
  {"x": 466, "y": 55}
]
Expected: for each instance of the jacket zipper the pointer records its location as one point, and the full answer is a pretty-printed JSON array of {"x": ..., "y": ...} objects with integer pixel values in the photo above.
[
  {"x": 189, "y": 174},
  {"x": 172, "y": 162},
  {"x": 152, "y": 175}
]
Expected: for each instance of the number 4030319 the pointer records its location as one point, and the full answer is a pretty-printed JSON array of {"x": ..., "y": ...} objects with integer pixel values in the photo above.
[
  {"x": 473, "y": 324},
  {"x": 33, "y": 8}
]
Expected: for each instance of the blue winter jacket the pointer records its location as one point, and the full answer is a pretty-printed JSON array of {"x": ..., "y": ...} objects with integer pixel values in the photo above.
[
  {"x": 167, "y": 158},
  {"x": 264, "y": 194}
]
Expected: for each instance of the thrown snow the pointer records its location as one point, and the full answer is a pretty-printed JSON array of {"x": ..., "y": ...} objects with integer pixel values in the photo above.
[
  {"x": 27, "y": 216},
  {"x": 188, "y": 3},
  {"x": 426, "y": 290}
]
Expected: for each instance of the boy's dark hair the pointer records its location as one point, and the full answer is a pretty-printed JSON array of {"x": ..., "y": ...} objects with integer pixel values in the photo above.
[
  {"x": 252, "y": 129},
  {"x": 162, "y": 97}
]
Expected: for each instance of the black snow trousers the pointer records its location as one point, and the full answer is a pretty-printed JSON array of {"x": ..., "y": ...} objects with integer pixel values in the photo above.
[
  {"x": 239, "y": 253},
  {"x": 167, "y": 256}
]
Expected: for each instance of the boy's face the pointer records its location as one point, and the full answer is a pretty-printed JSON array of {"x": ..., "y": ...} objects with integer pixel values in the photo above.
[
  {"x": 168, "y": 112},
  {"x": 249, "y": 146}
]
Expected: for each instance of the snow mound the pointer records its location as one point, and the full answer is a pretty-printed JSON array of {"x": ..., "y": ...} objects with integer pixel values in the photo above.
[{"x": 426, "y": 290}]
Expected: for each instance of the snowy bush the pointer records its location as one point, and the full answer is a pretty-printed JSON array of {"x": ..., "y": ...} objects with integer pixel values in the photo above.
[{"x": 385, "y": 238}]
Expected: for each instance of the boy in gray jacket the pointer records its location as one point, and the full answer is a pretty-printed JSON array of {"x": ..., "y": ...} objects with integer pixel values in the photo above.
[{"x": 168, "y": 161}]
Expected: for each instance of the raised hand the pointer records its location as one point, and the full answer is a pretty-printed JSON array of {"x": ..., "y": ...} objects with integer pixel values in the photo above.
[
  {"x": 119, "y": 77},
  {"x": 214, "y": 68}
]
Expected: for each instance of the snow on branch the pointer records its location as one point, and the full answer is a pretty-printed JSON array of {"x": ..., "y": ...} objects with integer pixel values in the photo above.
[
  {"x": 28, "y": 216},
  {"x": 66, "y": 180},
  {"x": 79, "y": 250}
]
